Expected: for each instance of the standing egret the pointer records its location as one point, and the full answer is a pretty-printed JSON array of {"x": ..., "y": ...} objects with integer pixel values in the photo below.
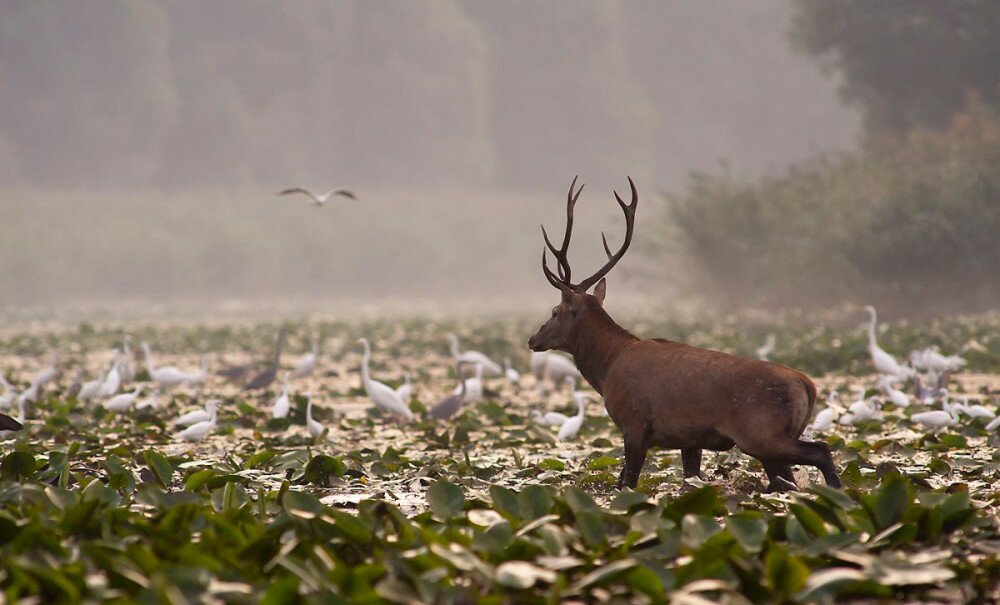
[
  {"x": 199, "y": 430},
  {"x": 281, "y": 404},
  {"x": 473, "y": 387},
  {"x": 314, "y": 427},
  {"x": 125, "y": 367},
  {"x": 975, "y": 410},
  {"x": 307, "y": 363},
  {"x": 897, "y": 397},
  {"x": 150, "y": 403},
  {"x": 571, "y": 427},
  {"x": 764, "y": 351},
  {"x": 884, "y": 362},
  {"x": 166, "y": 377},
  {"x": 558, "y": 368},
  {"x": 318, "y": 200},
  {"x": 513, "y": 376},
  {"x": 490, "y": 367},
  {"x": 936, "y": 419},
  {"x": 124, "y": 401},
  {"x": 197, "y": 416},
  {"x": 382, "y": 395},
  {"x": 824, "y": 420},
  {"x": 405, "y": 390},
  {"x": 197, "y": 377}
]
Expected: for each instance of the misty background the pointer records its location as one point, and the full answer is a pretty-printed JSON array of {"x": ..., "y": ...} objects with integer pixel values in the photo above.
[{"x": 141, "y": 143}]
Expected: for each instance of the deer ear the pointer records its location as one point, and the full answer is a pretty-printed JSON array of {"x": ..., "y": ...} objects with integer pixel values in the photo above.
[{"x": 600, "y": 290}]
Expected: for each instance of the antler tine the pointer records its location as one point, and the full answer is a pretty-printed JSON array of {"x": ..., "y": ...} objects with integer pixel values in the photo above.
[
  {"x": 549, "y": 275},
  {"x": 629, "y": 211},
  {"x": 560, "y": 254}
]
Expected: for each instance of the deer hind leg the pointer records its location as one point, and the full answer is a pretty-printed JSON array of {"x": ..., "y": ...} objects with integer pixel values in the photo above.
[
  {"x": 814, "y": 453},
  {"x": 691, "y": 459},
  {"x": 780, "y": 477}
]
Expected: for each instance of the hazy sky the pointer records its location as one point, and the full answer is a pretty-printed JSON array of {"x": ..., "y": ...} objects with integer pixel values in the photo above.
[{"x": 206, "y": 103}]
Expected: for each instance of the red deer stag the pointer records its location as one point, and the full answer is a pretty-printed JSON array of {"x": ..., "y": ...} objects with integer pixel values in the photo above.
[{"x": 672, "y": 395}]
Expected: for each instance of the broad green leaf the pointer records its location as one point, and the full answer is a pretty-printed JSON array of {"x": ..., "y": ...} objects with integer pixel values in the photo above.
[{"x": 446, "y": 500}]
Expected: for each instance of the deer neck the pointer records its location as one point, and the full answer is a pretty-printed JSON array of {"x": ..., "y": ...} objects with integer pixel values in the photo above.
[{"x": 599, "y": 342}]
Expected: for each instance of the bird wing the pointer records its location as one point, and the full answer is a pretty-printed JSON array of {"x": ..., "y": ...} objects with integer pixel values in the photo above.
[
  {"x": 344, "y": 192},
  {"x": 302, "y": 190}
]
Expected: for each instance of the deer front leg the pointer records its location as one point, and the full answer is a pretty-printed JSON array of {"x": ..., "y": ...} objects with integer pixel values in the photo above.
[
  {"x": 691, "y": 459},
  {"x": 635, "y": 457}
]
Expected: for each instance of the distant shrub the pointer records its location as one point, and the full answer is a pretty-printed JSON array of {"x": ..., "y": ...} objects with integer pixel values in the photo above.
[{"x": 914, "y": 219}]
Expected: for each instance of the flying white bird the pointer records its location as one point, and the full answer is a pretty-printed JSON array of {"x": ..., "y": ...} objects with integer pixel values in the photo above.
[
  {"x": 318, "y": 200},
  {"x": 307, "y": 363},
  {"x": 884, "y": 362},
  {"x": 314, "y": 427},
  {"x": 199, "y": 430},
  {"x": 764, "y": 351},
  {"x": 124, "y": 401},
  {"x": 381, "y": 394},
  {"x": 281, "y": 403},
  {"x": 513, "y": 376},
  {"x": 473, "y": 358},
  {"x": 196, "y": 416}
]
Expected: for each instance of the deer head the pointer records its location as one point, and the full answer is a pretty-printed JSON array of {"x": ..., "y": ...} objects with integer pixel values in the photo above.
[{"x": 560, "y": 331}]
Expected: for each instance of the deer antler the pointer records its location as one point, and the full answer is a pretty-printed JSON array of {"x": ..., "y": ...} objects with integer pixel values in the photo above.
[{"x": 562, "y": 280}]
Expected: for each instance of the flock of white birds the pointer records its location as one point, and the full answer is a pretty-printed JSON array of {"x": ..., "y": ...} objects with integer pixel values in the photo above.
[
  {"x": 196, "y": 425},
  {"x": 927, "y": 370}
]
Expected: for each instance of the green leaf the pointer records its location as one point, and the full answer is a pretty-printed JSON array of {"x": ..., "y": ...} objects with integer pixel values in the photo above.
[
  {"x": 161, "y": 467},
  {"x": 534, "y": 501},
  {"x": 446, "y": 500},
  {"x": 552, "y": 464},
  {"x": 17, "y": 465},
  {"x": 748, "y": 528},
  {"x": 785, "y": 573},
  {"x": 604, "y": 574},
  {"x": 282, "y": 592}
]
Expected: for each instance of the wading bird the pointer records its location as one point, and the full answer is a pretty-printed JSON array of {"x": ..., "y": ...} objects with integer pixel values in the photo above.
[
  {"x": 473, "y": 387},
  {"x": 382, "y": 395},
  {"x": 897, "y": 397},
  {"x": 196, "y": 416},
  {"x": 314, "y": 427},
  {"x": 764, "y": 351},
  {"x": 513, "y": 376},
  {"x": 668, "y": 394},
  {"x": 405, "y": 390},
  {"x": 124, "y": 401},
  {"x": 318, "y": 200},
  {"x": 884, "y": 363},
  {"x": 307, "y": 363},
  {"x": 473, "y": 358},
  {"x": 281, "y": 404},
  {"x": 571, "y": 427},
  {"x": 125, "y": 367},
  {"x": 450, "y": 405},
  {"x": 266, "y": 376},
  {"x": 167, "y": 377},
  {"x": 199, "y": 430}
]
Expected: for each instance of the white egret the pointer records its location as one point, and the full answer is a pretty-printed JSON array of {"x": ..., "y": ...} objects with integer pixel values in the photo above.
[
  {"x": 90, "y": 389},
  {"x": 450, "y": 405},
  {"x": 473, "y": 387},
  {"x": 307, "y": 363},
  {"x": 197, "y": 416},
  {"x": 112, "y": 381},
  {"x": 490, "y": 367},
  {"x": 764, "y": 351},
  {"x": 382, "y": 395},
  {"x": 282, "y": 404},
  {"x": 883, "y": 361},
  {"x": 318, "y": 200},
  {"x": 314, "y": 427},
  {"x": 199, "y": 430},
  {"x": 975, "y": 410},
  {"x": 823, "y": 421},
  {"x": 405, "y": 390},
  {"x": 125, "y": 367},
  {"x": 897, "y": 397},
  {"x": 166, "y": 377},
  {"x": 122, "y": 402},
  {"x": 197, "y": 377},
  {"x": 150, "y": 403},
  {"x": 930, "y": 360},
  {"x": 936, "y": 419},
  {"x": 513, "y": 376},
  {"x": 571, "y": 427},
  {"x": 558, "y": 368}
]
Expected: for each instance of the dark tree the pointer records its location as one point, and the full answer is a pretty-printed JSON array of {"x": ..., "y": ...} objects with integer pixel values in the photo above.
[{"x": 906, "y": 63}]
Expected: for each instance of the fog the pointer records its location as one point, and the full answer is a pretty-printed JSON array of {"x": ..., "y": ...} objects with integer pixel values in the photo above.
[{"x": 141, "y": 141}]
